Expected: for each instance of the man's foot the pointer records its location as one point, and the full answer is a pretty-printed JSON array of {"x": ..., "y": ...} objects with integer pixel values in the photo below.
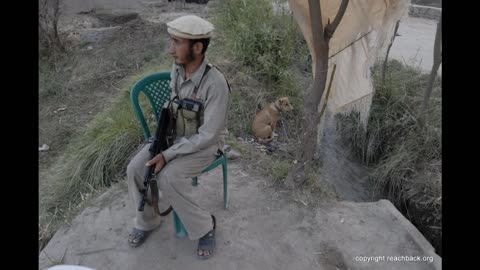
[
  {"x": 206, "y": 244},
  {"x": 137, "y": 237}
]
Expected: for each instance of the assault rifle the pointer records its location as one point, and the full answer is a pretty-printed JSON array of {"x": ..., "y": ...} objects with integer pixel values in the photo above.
[{"x": 163, "y": 139}]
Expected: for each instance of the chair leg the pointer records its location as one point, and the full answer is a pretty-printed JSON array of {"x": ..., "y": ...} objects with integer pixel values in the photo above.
[
  {"x": 179, "y": 228},
  {"x": 195, "y": 181},
  {"x": 225, "y": 185}
]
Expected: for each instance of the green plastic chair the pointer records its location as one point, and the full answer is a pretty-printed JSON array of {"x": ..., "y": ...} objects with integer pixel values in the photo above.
[{"x": 156, "y": 87}]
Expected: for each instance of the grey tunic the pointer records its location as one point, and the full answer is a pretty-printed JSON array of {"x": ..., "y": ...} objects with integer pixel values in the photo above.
[{"x": 214, "y": 93}]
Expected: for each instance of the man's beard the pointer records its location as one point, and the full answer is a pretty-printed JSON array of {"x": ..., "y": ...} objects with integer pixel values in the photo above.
[{"x": 190, "y": 56}]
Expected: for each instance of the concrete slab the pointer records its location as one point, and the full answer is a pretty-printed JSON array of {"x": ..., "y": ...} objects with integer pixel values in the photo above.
[{"x": 262, "y": 229}]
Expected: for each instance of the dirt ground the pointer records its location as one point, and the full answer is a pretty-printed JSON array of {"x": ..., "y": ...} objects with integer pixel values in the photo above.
[{"x": 263, "y": 228}]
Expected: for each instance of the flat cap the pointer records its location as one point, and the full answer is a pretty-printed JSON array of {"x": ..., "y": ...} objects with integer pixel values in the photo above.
[{"x": 190, "y": 27}]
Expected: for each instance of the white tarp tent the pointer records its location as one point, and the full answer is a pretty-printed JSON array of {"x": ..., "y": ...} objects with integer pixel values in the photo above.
[{"x": 361, "y": 37}]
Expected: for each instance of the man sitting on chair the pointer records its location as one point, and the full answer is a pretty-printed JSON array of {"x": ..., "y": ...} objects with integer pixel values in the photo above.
[{"x": 198, "y": 138}]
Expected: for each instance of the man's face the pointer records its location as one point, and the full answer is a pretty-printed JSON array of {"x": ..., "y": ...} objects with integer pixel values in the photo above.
[{"x": 180, "y": 50}]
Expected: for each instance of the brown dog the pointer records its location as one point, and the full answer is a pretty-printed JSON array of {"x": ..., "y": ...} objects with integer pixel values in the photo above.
[{"x": 266, "y": 120}]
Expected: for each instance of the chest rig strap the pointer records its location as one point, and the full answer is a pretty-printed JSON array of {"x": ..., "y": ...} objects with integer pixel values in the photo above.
[{"x": 195, "y": 90}]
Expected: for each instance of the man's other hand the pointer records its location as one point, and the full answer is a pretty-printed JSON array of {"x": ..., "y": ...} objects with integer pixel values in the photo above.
[{"x": 159, "y": 162}]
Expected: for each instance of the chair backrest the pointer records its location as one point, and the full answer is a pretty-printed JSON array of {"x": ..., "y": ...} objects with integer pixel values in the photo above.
[{"x": 156, "y": 88}]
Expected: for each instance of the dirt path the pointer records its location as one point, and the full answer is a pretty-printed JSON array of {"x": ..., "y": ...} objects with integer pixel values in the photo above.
[
  {"x": 263, "y": 228},
  {"x": 347, "y": 175}
]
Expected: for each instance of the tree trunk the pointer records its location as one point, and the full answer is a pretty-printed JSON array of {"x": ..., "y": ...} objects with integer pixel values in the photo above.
[
  {"x": 49, "y": 13},
  {"x": 437, "y": 60},
  {"x": 311, "y": 117},
  {"x": 328, "y": 91}
]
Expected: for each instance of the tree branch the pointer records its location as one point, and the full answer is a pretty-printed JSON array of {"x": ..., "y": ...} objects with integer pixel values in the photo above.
[
  {"x": 384, "y": 69},
  {"x": 330, "y": 28},
  {"x": 315, "y": 20}
]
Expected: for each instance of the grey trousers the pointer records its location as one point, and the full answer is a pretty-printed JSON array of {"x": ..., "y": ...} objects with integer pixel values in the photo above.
[{"x": 175, "y": 183}]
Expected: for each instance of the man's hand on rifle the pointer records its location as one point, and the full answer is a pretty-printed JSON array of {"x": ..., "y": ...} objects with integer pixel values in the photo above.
[{"x": 159, "y": 162}]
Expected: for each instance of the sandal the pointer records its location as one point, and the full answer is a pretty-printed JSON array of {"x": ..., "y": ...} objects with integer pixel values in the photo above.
[
  {"x": 137, "y": 237},
  {"x": 207, "y": 242}
]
